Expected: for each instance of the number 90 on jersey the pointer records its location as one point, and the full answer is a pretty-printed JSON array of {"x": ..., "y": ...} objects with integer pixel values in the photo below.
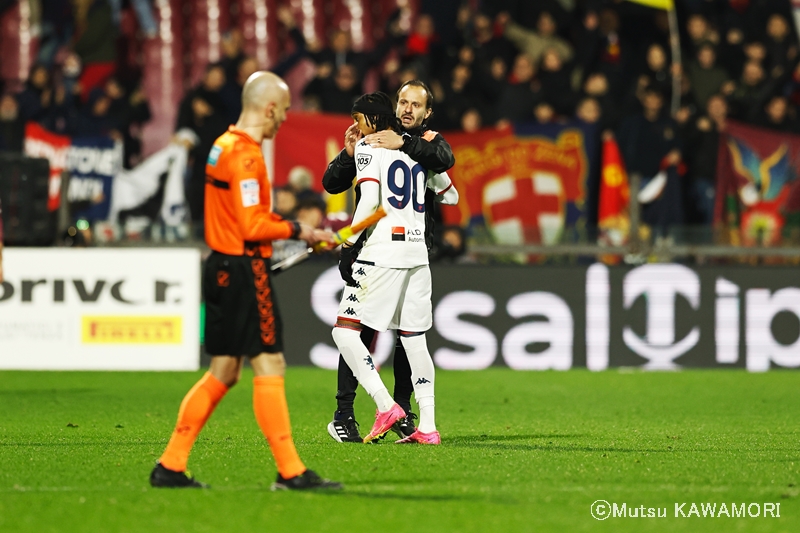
[{"x": 407, "y": 185}]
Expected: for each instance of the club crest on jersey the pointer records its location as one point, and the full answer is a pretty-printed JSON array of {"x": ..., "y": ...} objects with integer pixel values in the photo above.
[
  {"x": 213, "y": 155},
  {"x": 362, "y": 160},
  {"x": 398, "y": 233}
]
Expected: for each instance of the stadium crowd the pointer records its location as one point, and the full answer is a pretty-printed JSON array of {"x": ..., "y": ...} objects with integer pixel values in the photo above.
[{"x": 608, "y": 63}]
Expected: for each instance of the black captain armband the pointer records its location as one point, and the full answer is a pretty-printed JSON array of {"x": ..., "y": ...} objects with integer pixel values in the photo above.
[{"x": 296, "y": 229}]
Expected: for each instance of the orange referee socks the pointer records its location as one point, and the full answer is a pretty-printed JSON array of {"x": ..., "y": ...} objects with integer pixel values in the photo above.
[
  {"x": 272, "y": 414},
  {"x": 197, "y": 406}
]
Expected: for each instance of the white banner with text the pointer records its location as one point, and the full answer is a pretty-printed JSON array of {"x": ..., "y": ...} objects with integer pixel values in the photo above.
[{"x": 100, "y": 309}]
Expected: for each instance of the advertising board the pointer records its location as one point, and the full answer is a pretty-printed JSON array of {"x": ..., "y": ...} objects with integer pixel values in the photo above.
[
  {"x": 100, "y": 309},
  {"x": 655, "y": 316}
]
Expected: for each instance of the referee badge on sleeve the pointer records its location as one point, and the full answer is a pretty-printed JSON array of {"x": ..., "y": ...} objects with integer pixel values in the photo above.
[{"x": 249, "y": 189}]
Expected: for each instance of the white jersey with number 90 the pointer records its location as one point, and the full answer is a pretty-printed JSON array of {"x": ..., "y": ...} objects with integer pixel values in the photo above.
[{"x": 398, "y": 239}]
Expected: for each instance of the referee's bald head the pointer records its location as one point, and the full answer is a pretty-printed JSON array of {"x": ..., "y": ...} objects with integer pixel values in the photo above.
[
  {"x": 265, "y": 101},
  {"x": 263, "y": 88}
]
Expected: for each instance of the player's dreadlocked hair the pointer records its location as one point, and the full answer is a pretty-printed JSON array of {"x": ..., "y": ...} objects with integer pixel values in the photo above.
[{"x": 378, "y": 111}]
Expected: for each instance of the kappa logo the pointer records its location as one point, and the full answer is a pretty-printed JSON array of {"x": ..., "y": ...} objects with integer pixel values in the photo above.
[
  {"x": 421, "y": 381},
  {"x": 361, "y": 272},
  {"x": 349, "y": 311},
  {"x": 362, "y": 160},
  {"x": 369, "y": 362},
  {"x": 352, "y": 298}
]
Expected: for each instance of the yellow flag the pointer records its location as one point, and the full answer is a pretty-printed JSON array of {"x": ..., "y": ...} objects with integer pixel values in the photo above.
[{"x": 658, "y": 4}]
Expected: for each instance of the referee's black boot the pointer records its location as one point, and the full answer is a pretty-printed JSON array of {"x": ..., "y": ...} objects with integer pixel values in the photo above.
[
  {"x": 308, "y": 480},
  {"x": 163, "y": 477}
]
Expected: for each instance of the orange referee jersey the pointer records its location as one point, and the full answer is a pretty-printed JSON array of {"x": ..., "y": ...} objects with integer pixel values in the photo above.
[{"x": 238, "y": 204}]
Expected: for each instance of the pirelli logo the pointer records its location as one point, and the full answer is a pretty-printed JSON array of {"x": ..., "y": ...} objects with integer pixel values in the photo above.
[{"x": 132, "y": 329}]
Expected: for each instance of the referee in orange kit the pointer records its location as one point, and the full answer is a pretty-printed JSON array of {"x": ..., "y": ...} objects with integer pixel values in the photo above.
[{"x": 242, "y": 317}]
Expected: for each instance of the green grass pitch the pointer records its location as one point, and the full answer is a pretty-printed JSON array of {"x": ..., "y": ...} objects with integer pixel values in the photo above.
[{"x": 522, "y": 451}]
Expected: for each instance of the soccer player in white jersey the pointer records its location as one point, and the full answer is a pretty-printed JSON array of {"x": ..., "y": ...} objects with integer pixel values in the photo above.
[{"x": 393, "y": 281}]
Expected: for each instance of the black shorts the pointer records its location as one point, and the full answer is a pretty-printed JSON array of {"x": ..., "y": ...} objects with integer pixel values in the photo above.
[{"x": 242, "y": 317}]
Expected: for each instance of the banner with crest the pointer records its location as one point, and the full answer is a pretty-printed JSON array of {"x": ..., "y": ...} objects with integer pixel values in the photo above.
[
  {"x": 758, "y": 191},
  {"x": 527, "y": 185}
]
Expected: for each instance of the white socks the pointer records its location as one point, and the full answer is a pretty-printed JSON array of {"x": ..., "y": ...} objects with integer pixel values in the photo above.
[
  {"x": 422, "y": 376},
  {"x": 358, "y": 358}
]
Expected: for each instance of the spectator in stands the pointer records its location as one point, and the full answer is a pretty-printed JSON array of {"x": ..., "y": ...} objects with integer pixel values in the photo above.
[
  {"x": 57, "y": 29},
  {"x": 285, "y": 201},
  {"x": 37, "y": 97},
  {"x": 129, "y": 112},
  {"x": 536, "y": 43},
  {"x": 96, "y": 43},
  {"x": 699, "y": 33},
  {"x": 232, "y": 46},
  {"x": 471, "y": 120},
  {"x": 12, "y": 127},
  {"x": 596, "y": 87},
  {"x": 454, "y": 99},
  {"x": 422, "y": 46},
  {"x": 775, "y": 115},
  {"x": 556, "y": 80},
  {"x": 649, "y": 143},
  {"x": 703, "y": 137},
  {"x": 645, "y": 139},
  {"x": 489, "y": 84},
  {"x": 300, "y": 182},
  {"x": 544, "y": 113},
  {"x": 656, "y": 72},
  {"x": 706, "y": 76},
  {"x": 202, "y": 111},
  {"x": 448, "y": 243},
  {"x": 340, "y": 53},
  {"x": 94, "y": 119},
  {"x": 231, "y": 92},
  {"x": 334, "y": 91},
  {"x": 310, "y": 211},
  {"x": 750, "y": 94},
  {"x": 63, "y": 109},
  {"x": 588, "y": 110},
  {"x": 517, "y": 99},
  {"x": 754, "y": 51},
  {"x": 601, "y": 48},
  {"x": 487, "y": 44},
  {"x": 238, "y": 66},
  {"x": 781, "y": 47}
]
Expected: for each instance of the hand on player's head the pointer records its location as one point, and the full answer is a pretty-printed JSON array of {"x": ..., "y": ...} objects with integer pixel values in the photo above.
[{"x": 351, "y": 137}]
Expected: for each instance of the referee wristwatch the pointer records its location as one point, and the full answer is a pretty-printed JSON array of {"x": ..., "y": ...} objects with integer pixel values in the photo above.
[{"x": 296, "y": 229}]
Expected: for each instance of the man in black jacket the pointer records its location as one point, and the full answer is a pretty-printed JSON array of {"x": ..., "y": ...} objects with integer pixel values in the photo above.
[{"x": 429, "y": 149}]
